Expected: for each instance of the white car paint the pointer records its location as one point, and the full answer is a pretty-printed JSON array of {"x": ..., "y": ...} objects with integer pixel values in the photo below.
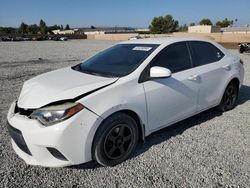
[
  {"x": 58, "y": 85},
  {"x": 158, "y": 103},
  {"x": 172, "y": 92},
  {"x": 159, "y": 72}
]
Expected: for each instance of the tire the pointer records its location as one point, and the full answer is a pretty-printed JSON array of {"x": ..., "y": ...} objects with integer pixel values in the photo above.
[
  {"x": 228, "y": 101},
  {"x": 241, "y": 50},
  {"x": 115, "y": 139}
]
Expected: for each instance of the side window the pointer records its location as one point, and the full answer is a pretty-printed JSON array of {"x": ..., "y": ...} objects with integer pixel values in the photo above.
[
  {"x": 204, "y": 53},
  {"x": 175, "y": 57}
]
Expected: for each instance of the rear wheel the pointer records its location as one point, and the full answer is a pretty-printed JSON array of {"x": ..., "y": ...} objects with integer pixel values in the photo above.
[
  {"x": 241, "y": 50},
  {"x": 229, "y": 98},
  {"x": 115, "y": 140}
]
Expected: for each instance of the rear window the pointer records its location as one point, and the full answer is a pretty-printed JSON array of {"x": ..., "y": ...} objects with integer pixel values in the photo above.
[{"x": 204, "y": 53}]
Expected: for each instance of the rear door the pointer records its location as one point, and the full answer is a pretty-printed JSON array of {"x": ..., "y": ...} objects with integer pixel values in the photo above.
[
  {"x": 174, "y": 98},
  {"x": 211, "y": 72}
]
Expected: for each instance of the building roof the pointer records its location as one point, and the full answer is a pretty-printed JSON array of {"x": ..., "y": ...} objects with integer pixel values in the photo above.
[{"x": 107, "y": 29}]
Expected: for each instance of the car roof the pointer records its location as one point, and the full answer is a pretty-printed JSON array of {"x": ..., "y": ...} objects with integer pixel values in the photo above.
[{"x": 161, "y": 40}]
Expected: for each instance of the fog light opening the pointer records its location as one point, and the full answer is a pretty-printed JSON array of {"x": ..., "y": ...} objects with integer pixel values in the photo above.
[{"x": 57, "y": 154}]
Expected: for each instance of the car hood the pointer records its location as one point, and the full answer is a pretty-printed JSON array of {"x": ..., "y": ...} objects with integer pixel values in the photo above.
[{"x": 59, "y": 85}]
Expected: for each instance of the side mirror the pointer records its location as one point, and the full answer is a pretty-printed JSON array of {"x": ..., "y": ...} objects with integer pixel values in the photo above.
[{"x": 159, "y": 72}]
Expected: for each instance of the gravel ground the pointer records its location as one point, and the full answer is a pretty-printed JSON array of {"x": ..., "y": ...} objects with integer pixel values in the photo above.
[{"x": 208, "y": 150}]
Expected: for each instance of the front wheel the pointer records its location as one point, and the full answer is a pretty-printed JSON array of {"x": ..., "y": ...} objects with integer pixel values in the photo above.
[
  {"x": 229, "y": 98},
  {"x": 115, "y": 140}
]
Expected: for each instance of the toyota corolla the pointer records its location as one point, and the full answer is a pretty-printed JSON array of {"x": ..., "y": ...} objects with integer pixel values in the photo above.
[{"x": 101, "y": 108}]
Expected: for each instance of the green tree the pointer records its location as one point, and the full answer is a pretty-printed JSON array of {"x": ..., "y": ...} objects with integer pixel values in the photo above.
[
  {"x": 224, "y": 23},
  {"x": 8, "y": 30},
  {"x": 67, "y": 27},
  {"x": 183, "y": 28},
  {"x": 33, "y": 29},
  {"x": 42, "y": 23},
  {"x": 192, "y": 24},
  {"x": 43, "y": 27},
  {"x": 53, "y": 27},
  {"x": 61, "y": 27},
  {"x": 163, "y": 24},
  {"x": 23, "y": 28},
  {"x": 206, "y": 21}
]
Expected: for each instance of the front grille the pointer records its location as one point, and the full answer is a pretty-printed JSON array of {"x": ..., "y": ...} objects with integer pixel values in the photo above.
[
  {"x": 17, "y": 136},
  {"x": 22, "y": 111}
]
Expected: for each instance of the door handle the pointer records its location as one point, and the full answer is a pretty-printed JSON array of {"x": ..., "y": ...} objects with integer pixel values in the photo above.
[
  {"x": 193, "y": 77},
  {"x": 226, "y": 67}
]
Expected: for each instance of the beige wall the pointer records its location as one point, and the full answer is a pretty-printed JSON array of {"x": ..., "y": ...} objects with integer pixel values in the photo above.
[
  {"x": 238, "y": 32},
  {"x": 112, "y": 36},
  {"x": 199, "y": 29},
  {"x": 94, "y": 32},
  {"x": 123, "y": 36},
  {"x": 203, "y": 29},
  {"x": 218, "y": 37}
]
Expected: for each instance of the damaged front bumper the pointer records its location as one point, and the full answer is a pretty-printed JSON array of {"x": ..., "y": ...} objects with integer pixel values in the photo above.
[{"x": 63, "y": 144}]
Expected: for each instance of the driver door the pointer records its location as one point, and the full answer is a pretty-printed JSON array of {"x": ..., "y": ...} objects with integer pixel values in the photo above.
[{"x": 174, "y": 98}]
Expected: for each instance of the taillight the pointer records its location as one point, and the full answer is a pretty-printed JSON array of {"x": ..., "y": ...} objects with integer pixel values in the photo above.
[{"x": 241, "y": 62}]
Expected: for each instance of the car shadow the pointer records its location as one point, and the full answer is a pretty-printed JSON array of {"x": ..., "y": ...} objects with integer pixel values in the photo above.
[
  {"x": 85, "y": 166},
  {"x": 178, "y": 128},
  {"x": 244, "y": 94},
  {"x": 175, "y": 129}
]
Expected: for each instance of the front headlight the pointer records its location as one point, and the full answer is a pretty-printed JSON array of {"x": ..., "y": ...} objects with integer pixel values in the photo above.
[{"x": 56, "y": 113}]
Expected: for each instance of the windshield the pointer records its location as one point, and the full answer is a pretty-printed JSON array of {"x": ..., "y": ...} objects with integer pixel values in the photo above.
[{"x": 117, "y": 61}]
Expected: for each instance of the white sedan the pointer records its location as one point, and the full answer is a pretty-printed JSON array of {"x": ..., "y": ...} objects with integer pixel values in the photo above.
[{"x": 101, "y": 108}]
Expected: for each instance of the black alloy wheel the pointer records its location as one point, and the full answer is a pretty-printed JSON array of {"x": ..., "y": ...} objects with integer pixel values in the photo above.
[
  {"x": 118, "y": 141},
  {"x": 115, "y": 139},
  {"x": 230, "y": 96}
]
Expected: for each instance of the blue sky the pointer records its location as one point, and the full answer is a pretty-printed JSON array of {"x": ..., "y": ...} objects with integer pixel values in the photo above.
[{"x": 134, "y": 13}]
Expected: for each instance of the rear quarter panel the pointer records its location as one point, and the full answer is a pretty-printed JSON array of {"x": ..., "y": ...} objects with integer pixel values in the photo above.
[{"x": 236, "y": 71}]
